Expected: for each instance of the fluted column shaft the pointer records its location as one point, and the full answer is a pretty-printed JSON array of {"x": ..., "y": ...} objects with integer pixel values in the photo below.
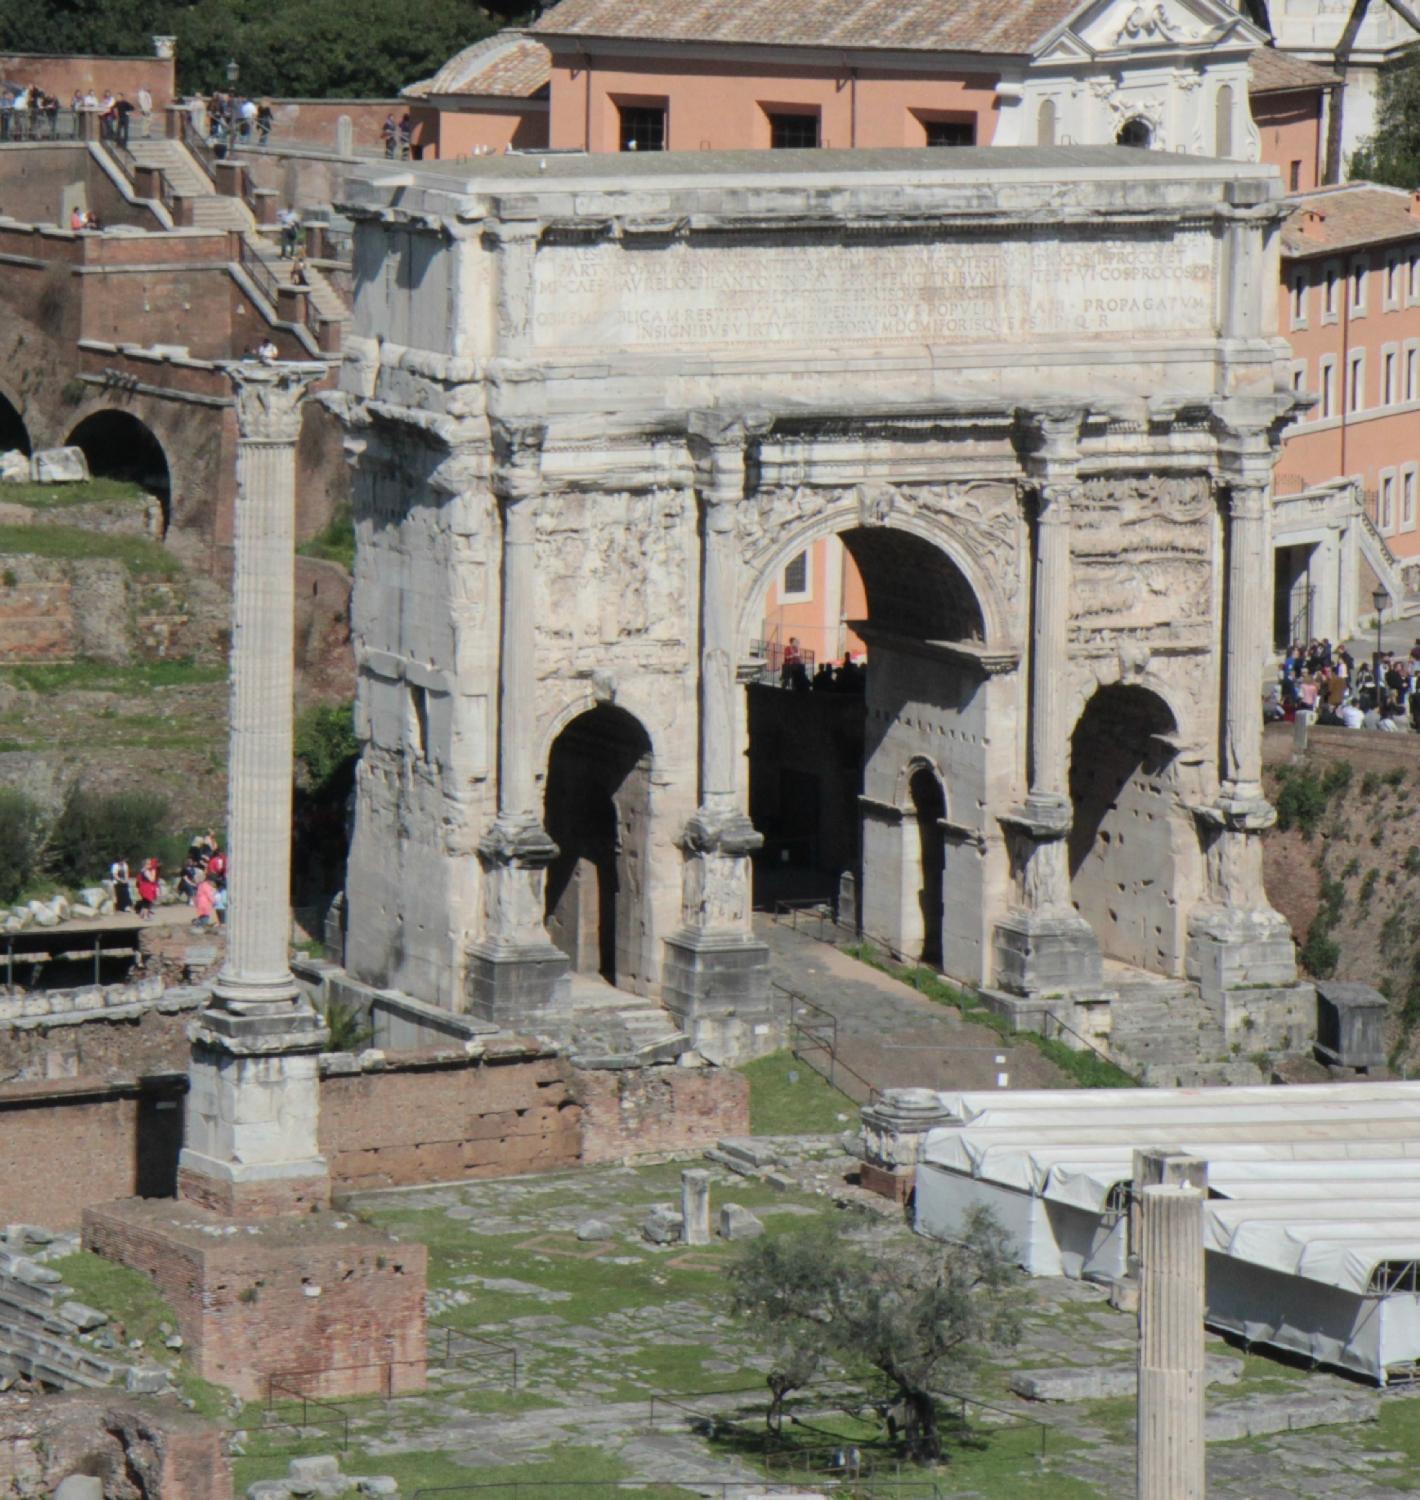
[
  {"x": 259, "y": 778},
  {"x": 517, "y": 689},
  {"x": 1171, "y": 1305},
  {"x": 718, "y": 783},
  {"x": 1049, "y": 752}
]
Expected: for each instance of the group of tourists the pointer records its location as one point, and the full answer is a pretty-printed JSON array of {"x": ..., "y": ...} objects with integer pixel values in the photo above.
[
  {"x": 202, "y": 884},
  {"x": 849, "y": 677},
  {"x": 398, "y": 136},
  {"x": 234, "y": 118},
  {"x": 28, "y": 113},
  {"x": 1326, "y": 682}
]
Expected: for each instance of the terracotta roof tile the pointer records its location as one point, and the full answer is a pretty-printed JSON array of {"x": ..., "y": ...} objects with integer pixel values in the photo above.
[
  {"x": 1348, "y": 218},
  {"x": 1274, "y": 72},
  {"x": 986, "y": 26},
  {"x": 510, "y": 65}
]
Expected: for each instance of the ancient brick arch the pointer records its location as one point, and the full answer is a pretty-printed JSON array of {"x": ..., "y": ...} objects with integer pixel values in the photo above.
[{"x": 120, "y": 445}]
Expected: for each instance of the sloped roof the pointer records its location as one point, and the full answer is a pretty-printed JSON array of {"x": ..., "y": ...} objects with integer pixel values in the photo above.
[
  {"x": 984, "y": 26},
  {"x": 508, "y": 65},
  {"x": 1350, "y": 217},
  {"x": 1276, "y": 72}
]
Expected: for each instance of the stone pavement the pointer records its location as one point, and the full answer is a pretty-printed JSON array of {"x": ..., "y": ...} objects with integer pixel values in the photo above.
[
  {"x": 602, "y": 1325},
  {"x": 887, "y": 1032}
]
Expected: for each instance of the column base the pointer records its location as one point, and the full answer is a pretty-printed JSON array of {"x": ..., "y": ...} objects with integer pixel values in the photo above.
[
  {"x": 243, "y": 1193},
  {"x": 1230, "y": 949},
  {"x": 516, "y": 984},
  {"x": 1044, "y": 954},
  {"x": 717, "y": 987}
]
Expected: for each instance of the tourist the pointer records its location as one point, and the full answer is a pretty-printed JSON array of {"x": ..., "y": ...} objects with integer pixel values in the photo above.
[
  {"x": 219, "y": 903},
  {"x": 300, "y": 269},
  {"x": 89, "y": 101},
  {"x": 389, "y": 134},
  {"x": 265, "y": 119},
  {"x": 7, "y": 109},
  {"x": 148, "y": 889},
  {"x": 122, "y": 889},
  {"x": 206, "y": 847},
  {"x": 267, "y": 351},
  {"x": 145, "y": 108},
  {"x": 204, "y": 902},
  {"x": 217, "y": 862},
  {"x": 1351, "y": 716},
  {"x": 246, "y": 116},
  {"x": 76, "y": 219},
  {"x": 92, "y": 221},
  {"x": 406, "y": 135},
  {"x": 122, "y": 110},
  {"x": 290, "y": 222},
  {"x": 190, "y": 878}
]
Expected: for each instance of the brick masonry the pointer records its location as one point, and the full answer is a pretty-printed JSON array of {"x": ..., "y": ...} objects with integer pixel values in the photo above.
[
  {"x": 400, "y": 1120},
  {"x": 328, "y": 1304}
]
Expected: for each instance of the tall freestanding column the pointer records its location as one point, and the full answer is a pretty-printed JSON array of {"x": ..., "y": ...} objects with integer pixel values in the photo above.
[
  {"x": 250, "y": 1141},
  {"x": 515, "y": 970},
  {"x": 1236, "y": 940},
  {"x": 1171, "y": 1305},
  {"x": 716, "y": 973},
  {"x": 1044, "y": 945}
]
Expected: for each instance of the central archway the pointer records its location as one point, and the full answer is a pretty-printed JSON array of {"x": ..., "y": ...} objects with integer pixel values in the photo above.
[
  {"x": 855, "y": 743},
  {"x": 598, "y": 815}
]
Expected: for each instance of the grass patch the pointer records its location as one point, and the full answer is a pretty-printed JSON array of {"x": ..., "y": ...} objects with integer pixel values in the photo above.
[
  {"x": 787, "y": 1097},
  {"x": 130, "y": 1299},
  {"x": 85, "y": 676},
  {"x": 1088, "y": 1070},
  {"x": 142, "y": 557},
  {"x": 63, "y": 496},
  {"x": 336, "y": 542}
]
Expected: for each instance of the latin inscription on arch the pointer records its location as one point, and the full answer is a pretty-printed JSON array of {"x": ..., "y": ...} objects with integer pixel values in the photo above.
[{"x": 749, "y": 292}]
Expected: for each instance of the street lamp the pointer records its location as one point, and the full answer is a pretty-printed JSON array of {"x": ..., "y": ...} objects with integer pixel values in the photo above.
[
  {"x": 234, "y": 72},
  {"x": 1380, "y": 599}
]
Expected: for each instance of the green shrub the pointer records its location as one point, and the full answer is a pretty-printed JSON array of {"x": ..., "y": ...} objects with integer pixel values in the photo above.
[
  {"x": 1370, "y": 784},
  {"x": 336, "y": 542},
  {"x": 325, "y": 744},
  {"x": 1412, "y": 860},
  {"x": 1393, "y": 935},
  {"x": 1396, "y": 777},
  {"x": 22, "y": 824},
  {"x": 1337, "y": 779},
  {"x": 1320, "y": 954},
  {"x": 95, "y": 828},
  {"x": 347, "y": 1028},
  {"x": 1368, "y": 886},
  {"x": 1353, "y": 868},
  {"x": 1301, "y": 802}
]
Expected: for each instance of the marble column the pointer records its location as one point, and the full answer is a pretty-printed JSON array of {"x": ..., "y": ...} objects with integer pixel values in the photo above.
[
  {"x": 1044, "y": 945},
  {"x": 250, "y": 1143},
  {"x": 1171, "y": 1304},
  {"x": 1236, "y": 940},
  {"x": 516, "y": 972},
  {"x": 715, "y": 977},
  {"x": 695, "y": 1207}
]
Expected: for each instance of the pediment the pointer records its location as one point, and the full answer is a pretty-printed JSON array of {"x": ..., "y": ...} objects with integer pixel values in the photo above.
[{"x": 1123, "y": 26}]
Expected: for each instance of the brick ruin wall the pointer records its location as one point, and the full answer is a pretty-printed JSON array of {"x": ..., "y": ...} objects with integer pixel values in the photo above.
[{"x": 393, "y": 1121}]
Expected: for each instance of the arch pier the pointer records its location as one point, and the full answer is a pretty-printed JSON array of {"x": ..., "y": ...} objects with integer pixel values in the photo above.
[{"x": 1040, "y": 412}]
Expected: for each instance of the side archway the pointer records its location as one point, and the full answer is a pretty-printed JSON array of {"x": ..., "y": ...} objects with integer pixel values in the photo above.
[
  {"x": 598, "y": 813},
  {"x": 1131, "y": 840},
  {"x": 118, "y": 445},
  {"x": 14, "y": 435}
]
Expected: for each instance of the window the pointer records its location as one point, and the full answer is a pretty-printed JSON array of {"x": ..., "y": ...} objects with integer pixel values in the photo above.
[
  {"x": 1299, "y": 298},
  {"x": 1333, "y": 277},
  {"x": 1299, "y": 376},
  {"x": 1294, "y": 177},
  {"x": 796, "y": 578},
  {"x": 643, "y": 127},
  {"x": 1386, "y": 517},
  {"x": 950, "y": 132},
  {"x": 790, "y": 132},
  {"x": 1327, "y": 406},
  {"x": 1045, "y": 123},
  {"x": 1412, "y": 371},
  {"x": 1223, "y": 121},
  {"x": 1359, "y": 272},
  {"x": 1407, "y": 499},
  {"x": 1415, "y": 278},
  {"x": 1388, "y": 373},
  {"x": 1135, "y": 132},
  {"x": 1356, "y": 382},
  {"x": 1392, "y": 281}
]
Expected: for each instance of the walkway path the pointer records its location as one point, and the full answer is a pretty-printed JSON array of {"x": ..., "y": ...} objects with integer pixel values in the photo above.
[{"x": 887, "y": 1032}]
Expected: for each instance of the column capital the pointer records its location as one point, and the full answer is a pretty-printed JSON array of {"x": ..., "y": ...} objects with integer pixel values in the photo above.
[
  {"x": 1248, "y": 496},
  {"x": 718, "y": 442},
  {"x": 1048, "y": 438},
  {"x": 517, "y": 459},
  {"x": 268, "y": 398}
]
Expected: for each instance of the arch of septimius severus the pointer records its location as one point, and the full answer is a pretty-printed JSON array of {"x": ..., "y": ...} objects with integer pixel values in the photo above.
[{"x": 594, "y": 404}]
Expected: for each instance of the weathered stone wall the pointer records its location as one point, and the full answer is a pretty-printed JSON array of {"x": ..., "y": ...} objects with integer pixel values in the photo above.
[
  {"x": 639, "y": 1112},
  {"x": 41, "y": 179},
  {"x": 1366, "y": 749}
]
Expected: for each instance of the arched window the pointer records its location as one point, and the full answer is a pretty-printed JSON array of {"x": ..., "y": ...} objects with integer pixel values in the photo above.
[
  {"x": 1045, "y": 123},
  {"x": 1135, "y": 132},
  {"x": 1223, "y": 126}
]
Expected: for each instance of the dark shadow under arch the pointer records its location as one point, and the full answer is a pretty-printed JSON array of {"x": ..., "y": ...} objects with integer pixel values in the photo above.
[
  {"x": 14, "y": 435},
  {"x": 119, "y": 445},
  {"x": 598, "y": 815},
  {"x": 929, "y": 807}
]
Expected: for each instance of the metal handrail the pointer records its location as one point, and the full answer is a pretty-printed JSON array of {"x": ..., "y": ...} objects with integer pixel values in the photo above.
[
  {"x": 265, "y": 278},
  {"x": 798, "y": 1030},
  {"x": 199, "y": 148},
  {"x": 275, "y": 1383}
]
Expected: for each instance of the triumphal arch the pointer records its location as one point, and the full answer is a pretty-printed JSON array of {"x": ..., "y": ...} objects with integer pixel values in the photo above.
[{"x": 595, "y": 404}]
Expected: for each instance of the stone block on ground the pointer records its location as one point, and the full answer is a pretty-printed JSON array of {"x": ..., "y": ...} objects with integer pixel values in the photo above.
[
  {"x": 664, "y": 1225},
  {"x": 738, "y": 1223},
  {"x": 595, "y": 1229},
  {"x": 1096, "y": 1382},
  {"x": 14, "y": 467},
  {"x": 752, "y": 1153},
  {"x": 317, "y": 1467},
  {"x": 82, "y": 1317},
  {"x": 80, "y": 1487},
  {"x": 59, "y": 466},
  {"x": 146, "y": 1380}
]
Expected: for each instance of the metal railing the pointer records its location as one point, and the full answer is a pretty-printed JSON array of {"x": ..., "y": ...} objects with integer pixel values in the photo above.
[
  {"x": 255, "y": 266},
  {"x": 775, "y": 668},
  {"x": 199, "y": 148},
  {"x": 724, "y": 1489},
  {"x": 24, "y": 125},
  {"x": 330, "y": 1417},
  {"x": 813, "y": 1034}
]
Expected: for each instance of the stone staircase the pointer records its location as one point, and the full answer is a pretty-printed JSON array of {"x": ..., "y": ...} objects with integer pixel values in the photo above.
[
  {"x": 1168, "y": 1036},
  {"x": 210, "y": 209},
  {"x": 47, "y": 1335},
  {"x": 326, "y": 300},
  {"x": 607, "y": 1027}
]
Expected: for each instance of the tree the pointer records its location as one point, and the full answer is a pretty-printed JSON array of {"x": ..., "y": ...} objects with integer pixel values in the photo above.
[
  {"x": 1392, "y": 154},
  {"x": 911, "y": 1314}
]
